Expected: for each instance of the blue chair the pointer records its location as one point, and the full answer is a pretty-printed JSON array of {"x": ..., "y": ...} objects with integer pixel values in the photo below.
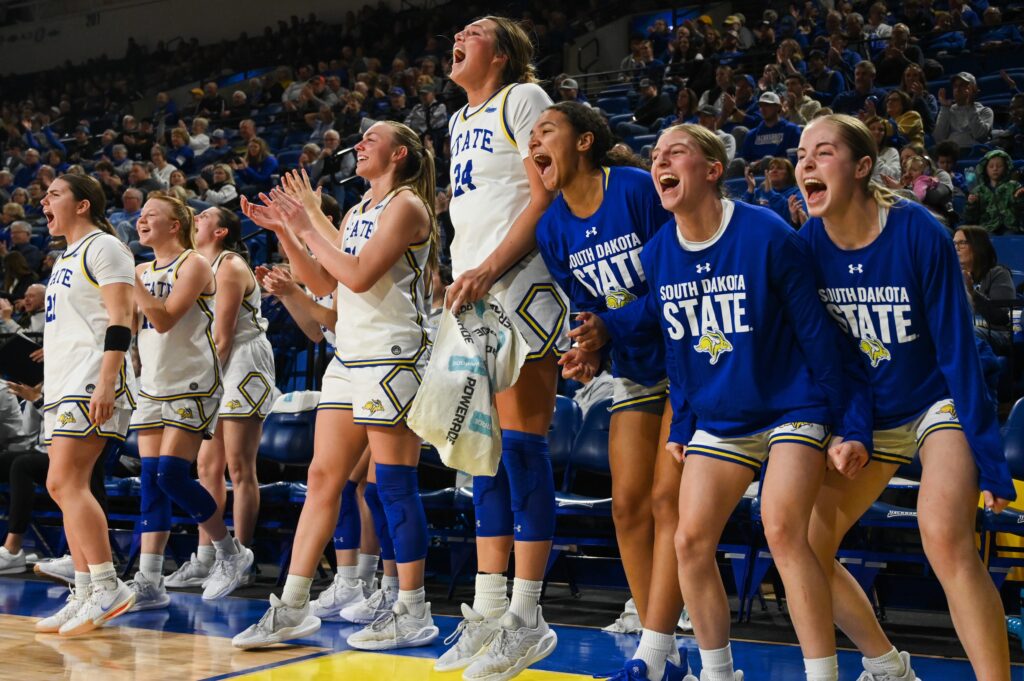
[
  {"x": 613, "y": 105},
  {"x": 1010, "y": 251},
  {"x": 1009, "y": 521},
  {"x": 289, "y": 158}
]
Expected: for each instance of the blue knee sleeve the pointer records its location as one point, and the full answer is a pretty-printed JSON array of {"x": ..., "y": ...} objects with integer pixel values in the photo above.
[
  {"x": 493, "y": 504},
  {"x": 176, "y": 480},
  {"x": 156, "y": 505},
  {"x": 531, "y": 484},
  {"x": 380, "y": 521},
  {"x": 349, "y": 527},
  {"x": 398, "y": 487}
]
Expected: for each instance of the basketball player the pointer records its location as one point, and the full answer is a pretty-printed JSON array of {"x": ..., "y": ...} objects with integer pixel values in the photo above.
[{"x": 179, "y": 400}]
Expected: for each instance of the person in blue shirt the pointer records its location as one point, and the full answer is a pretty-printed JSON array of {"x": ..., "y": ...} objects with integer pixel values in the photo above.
[
  {"x": 754, "y": 364},
  {"x": 779, "y": 184},
  {"x": 890, "y": 279},
  {"x": 255, "y": 170},
  {"x": 773, "y": 135},
  {"x": 852, "y": 101},
  {"x": 591, "y": 238}
]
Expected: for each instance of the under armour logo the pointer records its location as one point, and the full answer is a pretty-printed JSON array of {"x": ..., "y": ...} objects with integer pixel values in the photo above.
[
  {"x": 858, "y": 268},
  {"x": 519, "y": 529},
  {"x": 478, "y": 523},
  {"x": 704, "y": 269},
  {"x": 592, "y": 231}
]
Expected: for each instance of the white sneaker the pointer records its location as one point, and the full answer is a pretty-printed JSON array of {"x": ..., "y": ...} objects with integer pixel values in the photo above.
[
  {"x": 149, "y": 595},
  {"x": 397, "y": 628},
  {"x": 227, "y": 573},
  {"x": 907, "y": 676},
  {"x": 684, "y": 624},
  {"x": 340, "y": 594},
  {"x": 61, "y": 569},
  {"x": 628, "y": 622},
  {"x": 52, "y": 624},
  {"x": 12, "y": 563},
  {"x": 370, "y": 587},
  {"x": 736, "y": 675},
  {"x": 279, "y": 624},
  {"x": 102, "y": 606},
  {"x": 514, "y": 648},
  {"x": 473, "y": 633},
  {"x": 190, "y": 573},
  {"x": 369, "y": 609}
]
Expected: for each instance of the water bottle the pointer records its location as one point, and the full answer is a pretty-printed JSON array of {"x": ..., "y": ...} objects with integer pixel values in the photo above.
[{"x": 970, "y": 176}]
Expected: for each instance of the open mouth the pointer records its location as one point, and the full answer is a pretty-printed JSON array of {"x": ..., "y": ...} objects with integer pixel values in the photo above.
[
  {"x": 543, "y": 163},
  {"x": 48, "y": 214},
  {"x": 814, "y": 188},
  {"x": 458, "y": 54},
  {"x": 668, "y": 181}
]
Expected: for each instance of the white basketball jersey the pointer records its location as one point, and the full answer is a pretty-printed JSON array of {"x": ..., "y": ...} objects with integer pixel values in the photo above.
[
  {"x": 489, "y": 183},
  {"x": 77, "y": 320},
  {"x": 384, "y": 325},
  {"x": 250, "y": 324},
  {"x": 181, "y": 362}
]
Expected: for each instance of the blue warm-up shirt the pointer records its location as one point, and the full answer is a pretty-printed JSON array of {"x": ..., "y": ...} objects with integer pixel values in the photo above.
[
  {"x": 596, "y": 260},
  {"x": 903, "y": 298},
  {"x": 749, "y": 345}
]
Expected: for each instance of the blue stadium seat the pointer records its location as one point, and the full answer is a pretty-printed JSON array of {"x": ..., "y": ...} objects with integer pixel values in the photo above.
[
  {"x": 1002, "y": 558},
  {"x": 1010, "y": 251},
  {"x": 564, "y": 426},
  {"x": 288, "y": 437},
  {"x": 288, "y": 159},
  {"x": 613, "y": 105}
]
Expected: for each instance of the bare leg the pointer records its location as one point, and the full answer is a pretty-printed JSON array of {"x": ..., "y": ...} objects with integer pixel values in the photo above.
[
  {"x": 241, "y": 443},
  {"x": 67, "y": 481},
  {"x": 666, "y": 601},
  {"x": 210, "y": 466}
]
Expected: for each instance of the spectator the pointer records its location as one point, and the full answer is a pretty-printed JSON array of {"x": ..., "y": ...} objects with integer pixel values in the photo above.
[
  {"x": 181, "y": 154},
  {"x": 161, "y": 168},
  {"x": 651, "y": 108},
  {"x": 568, "y": 91},
  {"x": 140, "y": 178},
  {"x": 34, "y": 208},
  {"x": 110, "y": 182},
  {"x": 18, "y": 276},
  {"x": 995, "y": 202},
  {"x": 772, "y": 80},
  {"x": 31, "y": 316},
  {"x": 222, "y": 192},
  {"x": 789, "y": 58},
  {"x": 897, "y": 56},
  {"x": 921, "y": 100},
  {"x": 707, "y": 117},
  {"x": 239, "y": 108},
  {"x": 255, "y": 168},
  {"x": 12, "y": 212},
  {"x": 740, "y": 109},
  {"x": 840, "y": 57},
  {"x": 797, "y": 106},
  {"x": 964, "y": 17},
  {"x": 904, "y": 123},
  {"x": 125, "y": 219},
  {"x": 178, "y": 179},
  {"x": 963, "y": 120},
  {"x": 396, "y": 110},
  {"x": 199, "y": 141},
  {"x": 876, "y": 31},
  {"x": 633, "y": 63},
  {"x": 853, "y": 101},
  {"x": 773, "y": 136},
  {"x": 730, "y": 52},
  {"x": 687, "y": 64},
  {"x": 165, "y": 114},
  {"x": 218, "y": 152},
  {"x": 917, "y": 16},
  {"x": 945, "y": 38},
  {"x": 430, "y": 115},
  {"x": 20, "y": 197},
  {"x": 330, "y": 168},
  {"x": 28, "y": 169},
  {"x": 46, "y": 269},
  {"x": 996, "y": 35},
  {"x": 686, "y": 109},
  {"x": 723, "y": 86},
  {"x": 946, "y": 156},
  {"x": 21, "y": 242},
  {"x": 916, "y": 179},
  {"x": 658, "y": 35},
  {"x": 212, "y": 103},
  {"x": 778, "y": 186},
  {"x": 888, "y": 162},
  {"x": 82, "y": 147},
  {"x": 987, "y": 283},
  {"x": 119, "y": 159},
  {"x": 6, "y": 185},
  {"x": 823, "y": 83}
]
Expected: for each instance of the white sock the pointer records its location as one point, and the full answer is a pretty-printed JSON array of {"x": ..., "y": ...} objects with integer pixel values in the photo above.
[
  {"x": 226, "y": 546},
  {"x": 367, "y": 567},
  {"x": 525, "y": 597},
  {"x": 415, "y": 600},
  {"x": 151, "y": 565},
  {"x": 891, "y": 663},
  {"x": 206, "y": 554},
  {"x": 348, "y": 574},
  {"x": 490, "y": 599},
  {"x": 654, "y": 649},
  {"x": 822, "y": 668},
  {"x": 83, "y": 580},
  {"x": 296, "y": 591},
  {"x": 717, "y": 664},
  {"x": 103, "y": 575},
  {"x": 389, "y": 582}
]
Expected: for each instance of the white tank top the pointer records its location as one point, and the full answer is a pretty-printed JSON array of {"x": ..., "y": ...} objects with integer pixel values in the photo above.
[
  {"x": 384, "y": 325},
  {"x": 489, "y": 183},
  {"x": 77, "y": 320},
  {"x": 183, "y": 361},
  {"x": 250, "y": 324}
]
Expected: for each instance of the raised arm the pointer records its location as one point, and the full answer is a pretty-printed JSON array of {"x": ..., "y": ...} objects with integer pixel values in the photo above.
[{"x": 194, "y": 277}]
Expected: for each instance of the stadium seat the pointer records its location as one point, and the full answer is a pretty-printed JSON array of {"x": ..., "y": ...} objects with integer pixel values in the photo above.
[
  {"x": 1003, "y": 557},
  {"x": 288, "y": 430},
  {"x": 613, "y": 105}
]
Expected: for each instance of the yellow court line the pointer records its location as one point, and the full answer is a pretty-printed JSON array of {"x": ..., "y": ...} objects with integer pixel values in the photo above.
[{"x": 359, "y": 665}]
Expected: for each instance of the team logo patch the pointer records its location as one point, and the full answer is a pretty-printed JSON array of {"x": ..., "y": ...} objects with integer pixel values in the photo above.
[
  {"x": 948, "y": 409},
  {"x": 66, "y": 418},
  {"x": 619, "y": 298},
  {"x": 373, "y": 406},
  {"x": 796, "y": 425},
  {"x": 875, "y": 350},
  {"x": 184, "y": 412},
  {"x": 714, "y": 343},
  {"x": 234, "y": 404}
]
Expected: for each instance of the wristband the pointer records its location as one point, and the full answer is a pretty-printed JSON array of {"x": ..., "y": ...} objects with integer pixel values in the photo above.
[{"x": 118, "y": 338}]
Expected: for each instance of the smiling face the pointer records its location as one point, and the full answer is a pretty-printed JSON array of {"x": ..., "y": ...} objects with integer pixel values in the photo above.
[
  {"x": 156, "y": 225},
  {"x": 376, "y": 152},
  {"x": 474, "y": 53},
  {"x": 826, "y": 171},
  {"x": 682, "y": 174},
  {"x": 556, "y": 149}
]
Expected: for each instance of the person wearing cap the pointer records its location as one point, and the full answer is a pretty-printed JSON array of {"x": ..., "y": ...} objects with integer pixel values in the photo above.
[
  {"x": 730, "y": 52},
  {"x": 773, "y": 136},
  {"x": 852, "y": 102},
  {"x": 429, "y": 114},
  {"x": 653, "y": 106},
  {"x": 396, "y": 109},
  {"x": 569, "y": 91},
  {"x": 739, "y": 22},
  {"x": 962, "y": 120},
  {"x": 707, "y": 117}
]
